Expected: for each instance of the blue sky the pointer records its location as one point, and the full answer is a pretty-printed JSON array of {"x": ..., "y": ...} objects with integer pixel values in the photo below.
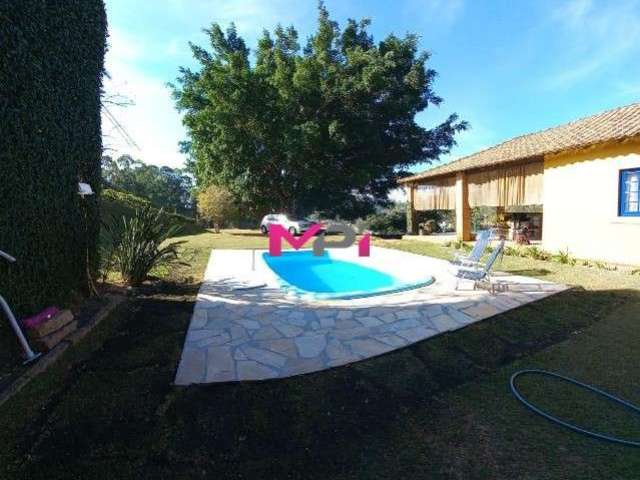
[{"x": 507, "y": 67}]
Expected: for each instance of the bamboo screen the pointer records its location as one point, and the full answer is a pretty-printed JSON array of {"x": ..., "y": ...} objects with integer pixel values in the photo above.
[
  {"x": 507, "y": 186},
  {"x": 437, "y": 195}
]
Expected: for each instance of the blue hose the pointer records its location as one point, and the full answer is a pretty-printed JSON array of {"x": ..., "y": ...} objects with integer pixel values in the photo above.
[{"x": 568, "y": 425}]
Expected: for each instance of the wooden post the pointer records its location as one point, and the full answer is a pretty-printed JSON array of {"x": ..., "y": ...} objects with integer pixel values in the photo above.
[
  {"x": 463, "y": 210},
  {"x": 412, "y": 227}
]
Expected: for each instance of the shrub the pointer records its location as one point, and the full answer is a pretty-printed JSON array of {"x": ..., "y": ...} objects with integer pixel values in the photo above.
[
  {"x": 391, "y": 220},
  {"x": 604, "y": 266},
  {"x": 217, "y": 206},
  {"x": 50, "y": 78},
  {"x": 532, "y": 252},
  {"x": 136, "y": 245},
  {"x": 536, "y": 253},
  {"x": 444, "y": 219},
  {"x": 563, "y": 257},
  {"x": 544, "y": 256},
  {"x": 511, "y": 251},
  {"x": 483, "y": 217},
  {"x": 458, "y": 245}
]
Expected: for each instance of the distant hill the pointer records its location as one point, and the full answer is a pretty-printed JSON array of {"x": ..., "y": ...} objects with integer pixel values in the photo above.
[{"x": 116, "y": 204}]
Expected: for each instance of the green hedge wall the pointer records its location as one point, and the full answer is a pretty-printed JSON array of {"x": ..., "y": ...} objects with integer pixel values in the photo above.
[
  {"x": 50, "y": 81},
  {"x": 115, "y": 204}
]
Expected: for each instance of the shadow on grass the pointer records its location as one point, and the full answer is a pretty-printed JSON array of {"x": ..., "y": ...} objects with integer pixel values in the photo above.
[
  {"x": 115, "y": 410},
  {"x": 344, "y": 422},
  {"x": 247, "y": 234},
  {"x": 531, "y": 272}
]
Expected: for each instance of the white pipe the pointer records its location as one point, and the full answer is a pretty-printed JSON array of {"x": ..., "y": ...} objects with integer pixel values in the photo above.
[
  {"x": 29, "y": 354},
  {"x": 7, "y": 256}
]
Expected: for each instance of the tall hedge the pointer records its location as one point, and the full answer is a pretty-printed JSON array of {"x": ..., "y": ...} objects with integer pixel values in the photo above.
[
  {"x": 115, "y": 204},
  {"x": 51, "y": 65}
]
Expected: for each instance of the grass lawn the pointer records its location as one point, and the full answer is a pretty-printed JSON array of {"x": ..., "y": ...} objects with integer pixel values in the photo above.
[{"x": 440, "y": 409}]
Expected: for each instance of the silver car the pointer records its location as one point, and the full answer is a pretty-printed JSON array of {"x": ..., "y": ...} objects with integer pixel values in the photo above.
[{"x": 294, "y": 225}]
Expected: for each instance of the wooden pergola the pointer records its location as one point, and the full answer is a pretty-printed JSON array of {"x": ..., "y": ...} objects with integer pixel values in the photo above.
[
  {"x": 501, "y": 185},
  {"x": 511, "y": 173}
]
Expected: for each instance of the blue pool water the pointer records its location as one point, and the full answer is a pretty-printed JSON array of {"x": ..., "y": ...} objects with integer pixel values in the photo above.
[{"x": 303, "y": 272}]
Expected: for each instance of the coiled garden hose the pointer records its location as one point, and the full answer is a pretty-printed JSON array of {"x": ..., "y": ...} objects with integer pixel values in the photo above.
[{"x": 570, "y": 426}]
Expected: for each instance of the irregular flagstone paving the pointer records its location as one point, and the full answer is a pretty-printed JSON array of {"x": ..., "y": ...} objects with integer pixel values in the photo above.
[{"x": 259, "y": 334}]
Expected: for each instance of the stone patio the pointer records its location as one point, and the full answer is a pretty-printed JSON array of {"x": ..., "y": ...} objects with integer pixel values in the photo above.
[{"x": 262, "y": 333}]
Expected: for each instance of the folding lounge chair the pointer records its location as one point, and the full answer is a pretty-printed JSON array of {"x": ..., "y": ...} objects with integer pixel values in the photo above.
[
  {"x": 481, "y": 274},
  {"x": 482, "y": 241}
]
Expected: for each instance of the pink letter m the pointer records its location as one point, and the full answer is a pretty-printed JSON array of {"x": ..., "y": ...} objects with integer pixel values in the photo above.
[{"x": 278, "y": 232}]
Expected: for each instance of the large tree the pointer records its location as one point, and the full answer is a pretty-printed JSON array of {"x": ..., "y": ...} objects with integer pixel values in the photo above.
[
  {"x": 166, "y": 187},
  {"x": 328, "y": 128}
]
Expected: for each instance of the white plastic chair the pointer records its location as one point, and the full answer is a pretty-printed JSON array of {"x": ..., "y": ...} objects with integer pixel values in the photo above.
[{"x": 483, "y": 237}]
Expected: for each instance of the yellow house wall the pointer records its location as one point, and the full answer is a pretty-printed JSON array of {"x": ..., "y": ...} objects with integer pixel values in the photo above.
[{"x": 581, "y": 204}]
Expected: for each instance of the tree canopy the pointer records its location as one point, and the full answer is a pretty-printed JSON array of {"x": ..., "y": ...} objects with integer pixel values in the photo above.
[
  {"x": 327, "y": 128},
  {"x": 164, "y": 187},
  {"x": 216, "y": 206}
]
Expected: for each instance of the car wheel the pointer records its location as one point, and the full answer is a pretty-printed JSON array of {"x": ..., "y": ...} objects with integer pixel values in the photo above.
[
  {"x": 292, "y": 231},
  {"x": 264, "y": 230}
]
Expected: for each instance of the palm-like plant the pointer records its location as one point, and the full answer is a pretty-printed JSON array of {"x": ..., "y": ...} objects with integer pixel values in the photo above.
[{"x": 136, "y": 244}]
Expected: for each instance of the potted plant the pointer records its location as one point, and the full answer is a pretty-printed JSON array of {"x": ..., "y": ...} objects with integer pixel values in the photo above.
[{"x": 500, "y": 226}]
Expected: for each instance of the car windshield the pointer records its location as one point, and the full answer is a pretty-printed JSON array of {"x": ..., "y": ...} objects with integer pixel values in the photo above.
[{"x": 292, "y": 218}]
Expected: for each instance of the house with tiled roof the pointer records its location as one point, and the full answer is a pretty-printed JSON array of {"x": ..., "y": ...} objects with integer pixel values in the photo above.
[{"x": 579, "y": 183}]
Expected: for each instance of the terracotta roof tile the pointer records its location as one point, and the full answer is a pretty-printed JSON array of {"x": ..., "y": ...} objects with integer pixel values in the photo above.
[{"x": 617, "y": 124}]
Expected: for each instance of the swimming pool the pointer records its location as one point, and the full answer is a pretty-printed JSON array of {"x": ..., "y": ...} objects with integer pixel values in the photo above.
[{"x": 301, "y": 272}]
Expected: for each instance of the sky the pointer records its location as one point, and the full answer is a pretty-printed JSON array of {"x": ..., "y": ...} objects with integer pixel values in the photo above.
[{"x": 508, "y": 68}]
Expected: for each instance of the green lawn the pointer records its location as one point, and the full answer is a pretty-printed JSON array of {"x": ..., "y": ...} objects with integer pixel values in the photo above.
[
  {"x": 586, "y": 277},
  {"x": 197, "y": 248},
  {"x": 440, "y": 409}
]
